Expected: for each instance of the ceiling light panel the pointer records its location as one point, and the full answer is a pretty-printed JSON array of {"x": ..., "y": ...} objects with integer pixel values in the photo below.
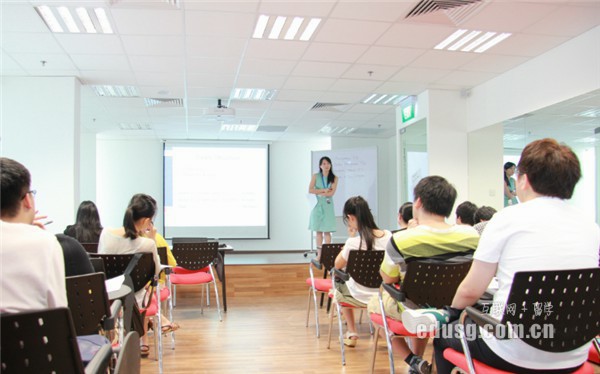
[
  {"x": 383, "y": 99},
  {"x": 471, "y": 41},
  {"x": 285, "y": 28},
  {"x": 75, "y": 20},
  {"x": 116, "y": 91},
  {"x": 238, "y": 127},
  {"x": 252, "y": 94}
]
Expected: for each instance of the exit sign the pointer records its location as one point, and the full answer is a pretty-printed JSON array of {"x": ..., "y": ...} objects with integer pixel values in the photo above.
[{"x": 407, "y": 107}]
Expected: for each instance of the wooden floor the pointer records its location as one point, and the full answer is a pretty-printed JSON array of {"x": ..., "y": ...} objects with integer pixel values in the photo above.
[{"x": 263, "y": 330}]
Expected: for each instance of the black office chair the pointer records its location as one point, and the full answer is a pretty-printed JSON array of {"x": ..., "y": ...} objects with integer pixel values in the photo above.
[
  {"x": 45, "y": 341},
  {"x": 574, "y": 296}
]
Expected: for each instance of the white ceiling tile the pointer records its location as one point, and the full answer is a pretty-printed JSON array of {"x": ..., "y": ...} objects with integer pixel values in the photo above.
[
  {"x": 260, "y": 81},
  {"x": 211, "y": 65},
  {"x": 466, "y": 78},
  {"x": 331, "y": 52},
  {"x": 390, "y": 56},
  {"x": 205, "y": 46},
  {"x": 153, "y": 45},
  {"x": 378, "y": 73},
  {"x": 263, "y": 67},
  {"x": 210, "y": 80},
  {"x": 107, "y": 77},
  {"x": 350, "y": 32},
  {"x": 281, "y": 106},
  {"x": 415, "y": 74},
  {"x": 161, "y": 91},
  {"x": 210, "y": 92},
  {"x": 147, "y": 21},
  {"x": 32, "y": 62},
  {"x": 159, "y": 78},
  {"x": 320, "y": 69},
  {"x": 9, "y": 64},
  {"x": 275, "y": 49},
  {"x": 296, "y": 8},
  {"x": 308, "y": 83},
  {"x": 101, "y": 62},
  {"x": 20, "y": 17},
  {"x": 527, "y": 45},
  {"x": 93, "y": 44},
  {"x": 220, "y": 23},
  {"x": 573, "y": 21},
  {"x": 340, "y": 97},
  {"x": 519, "y": 15},
  {"x": 354, "y": 85},
  {"x": 493, "y": 63},
  {"x": 415, "y": 36},
  {"x": 443, "y": 59},
  {"x": 246, "y": 6},
  {"x": 157, "y": 64},
  {"x": 381, "y": 11},
  {"x": 30, "y": 43},
  {"x": 299, "y": 95}
]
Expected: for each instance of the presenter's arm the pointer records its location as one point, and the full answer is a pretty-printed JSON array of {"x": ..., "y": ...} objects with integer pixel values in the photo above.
[
  {"x": 331, "y": 190},
  {"x": 311, "y": 187}
]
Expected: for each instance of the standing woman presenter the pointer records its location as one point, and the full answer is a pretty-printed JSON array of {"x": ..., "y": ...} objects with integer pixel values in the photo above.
[{"x": 322, "y": 218}]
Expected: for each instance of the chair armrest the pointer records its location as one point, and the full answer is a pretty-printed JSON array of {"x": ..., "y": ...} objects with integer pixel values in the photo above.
[
  {"x": 340, "y": 274},
  {"x": 394, "y": 292},
  {"x": 100, "y": 361},
  {"x": 109, "y": 321},
  {"x": 484, "y": 320},
  {"x": 316, "y": 264}
]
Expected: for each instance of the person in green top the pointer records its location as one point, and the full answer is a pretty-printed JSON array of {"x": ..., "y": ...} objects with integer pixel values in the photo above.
[
  {"x": 322, "y": 217},
  {"x": 510, "y": 191}
]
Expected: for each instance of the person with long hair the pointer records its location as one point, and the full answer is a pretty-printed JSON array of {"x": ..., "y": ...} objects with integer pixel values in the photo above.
[
  {"x": 87, "y": 227},
  {"x": 364, "y": 235},
  {"x": 137, "y": 235},
  {"x": 322, "y": 218},
  {"x": 510, "y": 191}
]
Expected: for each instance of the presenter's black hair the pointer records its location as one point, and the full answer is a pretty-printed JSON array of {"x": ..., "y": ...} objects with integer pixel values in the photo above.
[
  {"x": 507, "y": 166},
  {"x": 140, "y": 206},
  {"x": 331, "y": 176},
  {"x": 359, "y": 208}
]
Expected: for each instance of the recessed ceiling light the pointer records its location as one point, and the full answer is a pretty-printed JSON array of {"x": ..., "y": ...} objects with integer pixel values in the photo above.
[
  {"x": 383, "y": 99},
  {"x": 239, "y": 127},
  {"x": 75, "y": 20},
  {"x": 340, "y": 130},
  {"x": 116, "y": 91},
  {"x": 252, "y": 94},
  {"x": 590, "y": 113},
  {"x": 135, "y": 126},
  {"x": 474, "y": 40},
  {"x": 289, "y": 30}
]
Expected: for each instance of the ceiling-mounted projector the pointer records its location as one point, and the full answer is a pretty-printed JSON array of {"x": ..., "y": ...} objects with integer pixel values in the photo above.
[{"x": 220, "y": 112}]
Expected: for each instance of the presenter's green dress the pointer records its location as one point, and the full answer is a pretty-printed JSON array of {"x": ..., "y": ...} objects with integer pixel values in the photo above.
[{"x": 322, "y": 216}]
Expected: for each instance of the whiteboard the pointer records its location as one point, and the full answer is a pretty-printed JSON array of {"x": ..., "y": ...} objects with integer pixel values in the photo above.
[{"x": 356, "y": 170}]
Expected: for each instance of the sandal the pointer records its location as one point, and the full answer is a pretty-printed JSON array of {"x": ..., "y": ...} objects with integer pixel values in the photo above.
[
  {"x": 169, "y": 328},
  {"x": 348, "y": 339},
  {"x": 144, "y": 350}
]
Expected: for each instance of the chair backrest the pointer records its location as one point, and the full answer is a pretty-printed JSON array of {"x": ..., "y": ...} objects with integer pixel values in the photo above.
[
  {"x": 141, "y": 272},
  {"x": 195, "y": 256},
  {"x": 90, "y": 247},
  {"x": 129, "y": 357},
  {"x": 162, "y": 254},
  {"x": 328, "y": 254},
  {"x": 42, "y": 341},
  {"x": 567, "y": 302},
  {"x": 433, "y": 284},
  {"x": 88, "y": 302},
  {"x": 98, "y": 265},
  {"x": 363, "y": 267}
]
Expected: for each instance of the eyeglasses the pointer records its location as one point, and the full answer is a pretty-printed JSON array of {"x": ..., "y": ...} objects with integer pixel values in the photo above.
[{"x": 32, "y": 192}]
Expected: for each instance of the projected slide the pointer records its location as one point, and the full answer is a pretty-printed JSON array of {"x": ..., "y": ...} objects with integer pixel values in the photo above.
[{"x": 216, "y": 190}]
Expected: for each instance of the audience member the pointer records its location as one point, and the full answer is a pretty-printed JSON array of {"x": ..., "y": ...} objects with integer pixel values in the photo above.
[
  {"x": 364, "y": 235},
  {"x": 544, "y": 232},
  {"x": 87, "y": 227},
  {"x": 482, "y": 216},
  {"x": 405, "y": 214},
  {"x": 432, "y": 238},
  {"x": 137, "y": 235},
  {"x": 465, "y": 212},
  {"x": 77, "y": 260},
  {"x": 510, "y": 194},
  {"x": 33, "y": 269}
]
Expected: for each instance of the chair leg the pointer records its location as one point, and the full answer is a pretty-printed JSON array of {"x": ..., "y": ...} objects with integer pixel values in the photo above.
[
  {"x": 316, "y": 312},
  {"x": 170, "y": 310},
  {"x": 377, "y": 329},
  {"x": 341, "y": 328},
  {"x": 214, "y": 281},
  {"x": 203, "y": 287},
  {"x": 174, "y": 295},
  {"x": 388, "y": 339},
  {"x": 330, "y": 326},
  {"x": 308, "y": 305},
  {"x": 158, "y": 331}
]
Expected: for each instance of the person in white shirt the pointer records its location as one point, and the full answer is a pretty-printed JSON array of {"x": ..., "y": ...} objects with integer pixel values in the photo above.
[
  {"x": 543, "y": 232},
  {"x": 32, "y": 274},
  {"x": 364, "y": 235}
]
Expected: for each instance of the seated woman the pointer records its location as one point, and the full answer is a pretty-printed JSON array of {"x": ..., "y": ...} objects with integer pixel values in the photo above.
[
  {"x": 137, "y": 235},
  {"x": 364, "y": 235},
  {"x": 87, "y": 227}
]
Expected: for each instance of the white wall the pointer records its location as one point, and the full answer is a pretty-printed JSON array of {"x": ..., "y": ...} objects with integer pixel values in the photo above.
[
  {"x": 40, "y": 129},
  {"x": 485, "y": 166},
  {"x": 87, "y": 164}
]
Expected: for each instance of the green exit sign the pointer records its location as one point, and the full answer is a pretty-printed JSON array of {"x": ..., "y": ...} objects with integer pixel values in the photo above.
[{"x": 407, "y": 107}]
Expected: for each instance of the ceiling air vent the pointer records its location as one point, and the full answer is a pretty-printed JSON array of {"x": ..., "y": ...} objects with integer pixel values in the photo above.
[
  {"x": 458, "y": 11},
  {"x": 163, "y": 103},
  {"x": 329, "y": 107}
]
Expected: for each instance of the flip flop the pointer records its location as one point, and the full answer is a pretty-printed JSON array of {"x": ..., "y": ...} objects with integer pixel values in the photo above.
[{"x": 144, "y": 350}]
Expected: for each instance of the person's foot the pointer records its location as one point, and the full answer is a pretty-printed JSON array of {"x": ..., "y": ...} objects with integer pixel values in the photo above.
[
  {"x": 350, "y": 339},
  {"x": 419, "y": 366},
  {"x": 144, "y": 350},
  {"x": 423, "y": 320}
]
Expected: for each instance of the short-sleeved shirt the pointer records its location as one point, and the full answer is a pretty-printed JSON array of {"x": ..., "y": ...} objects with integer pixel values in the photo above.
[
  {"x": 427, "y": 242},
  {"x": 359, "y": 292},
  {"x": 541, "y": 234}
]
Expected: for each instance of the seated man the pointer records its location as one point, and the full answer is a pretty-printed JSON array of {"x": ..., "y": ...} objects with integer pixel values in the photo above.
[
  {"x": 433, "y": 237},
  {"x": 545, "y": 232},
  {"x": 482, "y": 216},
  {"x": 465, "y": 213},
  {"x": 33, "y": 269}
]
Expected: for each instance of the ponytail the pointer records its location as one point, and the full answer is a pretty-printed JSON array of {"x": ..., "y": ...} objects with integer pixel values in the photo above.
[
  {"x": 358, "y": 207},
  {"x": 129, "y": 224},
  {"x": 140, "y": 206}
]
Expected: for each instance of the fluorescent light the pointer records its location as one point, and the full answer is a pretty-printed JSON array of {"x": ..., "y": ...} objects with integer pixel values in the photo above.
[
  {"x": 277, "y": 27},
  {"x": 379, "y": 99},
  {"x": 383, "y": 99},
  {"x": 450, "y": 39},
  {"x": 369, "y": 98},
  {"x": 46, "y": 13},
  {"x": 390, "y": 99},
  {"x": 336, "y": 130},
  {"x": 294, "y": 27},
  {"x": 103, "y": 20},
  {"x": 261, "y": 25},
  {"x": 464, "y": 40},
  {"x": 68, "y": 19},
  {"x": 493, "y": 42},
  {"x": 478, "y": 41},
  {"x": 310, "y": 29},
  {"x": 116, "y": 91},
  {"x": 238, "y": 127},
  {"x": 252, "y": 93},
  {"x": 86, "y": 21}
]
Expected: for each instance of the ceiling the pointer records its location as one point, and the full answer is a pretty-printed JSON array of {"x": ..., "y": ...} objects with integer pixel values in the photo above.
[{"x": 199, "y": 51}]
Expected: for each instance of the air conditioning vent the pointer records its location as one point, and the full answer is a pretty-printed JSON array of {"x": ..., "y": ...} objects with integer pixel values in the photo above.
[
  {"x": 329, "y": 107},
  {"x": 457, "y": 11},
  {"x": 271, "y": 128},
  {"x": 163, "y": 103}
]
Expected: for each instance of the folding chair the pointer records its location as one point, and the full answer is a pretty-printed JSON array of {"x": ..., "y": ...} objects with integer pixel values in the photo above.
[
  {"x": 129, "y": 356},
  {"x": 329, "y": 252},
  {"x": 90, "y": 247},
  {"x": 45, "y": 341},
  {"x": 427, "y": 283},
  {"x": 165, "y": 293},
  {"x": 192, "y": 260},
  {"x": 574, "y": 296},
  {"x": 363, "y": 267}
]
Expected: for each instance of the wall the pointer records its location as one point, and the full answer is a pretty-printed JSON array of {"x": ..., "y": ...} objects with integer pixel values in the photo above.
[{"x": 40, "y": 128}]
